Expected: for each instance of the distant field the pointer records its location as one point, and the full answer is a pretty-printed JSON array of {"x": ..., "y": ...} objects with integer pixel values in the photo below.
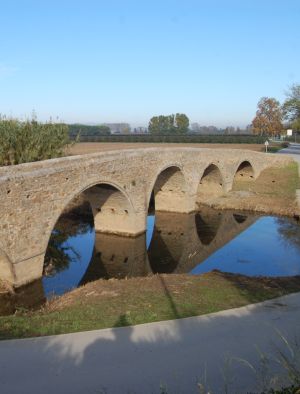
[{"x": 92, "y": 147}]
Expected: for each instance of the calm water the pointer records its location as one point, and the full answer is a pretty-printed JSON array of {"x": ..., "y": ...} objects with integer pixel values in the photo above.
[{"x": 174, "y": 243}]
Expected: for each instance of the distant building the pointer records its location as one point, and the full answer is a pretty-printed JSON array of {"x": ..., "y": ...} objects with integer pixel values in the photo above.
[
  {"x": 118, "y": 128},
  {"x": 140, "y": 130}
]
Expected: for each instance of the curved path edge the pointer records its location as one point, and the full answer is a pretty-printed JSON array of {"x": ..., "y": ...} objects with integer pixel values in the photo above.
[{"x": 140, "y": 359}]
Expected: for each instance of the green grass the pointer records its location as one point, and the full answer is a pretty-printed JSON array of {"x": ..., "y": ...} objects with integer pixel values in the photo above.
[{"x": 117, "y": 303}]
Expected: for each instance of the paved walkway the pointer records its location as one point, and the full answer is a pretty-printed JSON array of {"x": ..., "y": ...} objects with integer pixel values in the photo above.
[
  {"x": 142, "y": 358},
  {"x": 294, "y": 151}
]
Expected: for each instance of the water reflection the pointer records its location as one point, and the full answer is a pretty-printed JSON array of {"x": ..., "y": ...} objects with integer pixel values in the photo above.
[
  {"x": 289, "y": 233},
  {"x": 117, "y": 257},
  {"x": 177, "y": 243},
  {"x": 207, "y": 224}
]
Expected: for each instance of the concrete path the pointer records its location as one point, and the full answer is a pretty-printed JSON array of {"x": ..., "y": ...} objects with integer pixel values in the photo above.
[
  {"x": 294, "y": 151},
  {"x": 145, "y": 358}
]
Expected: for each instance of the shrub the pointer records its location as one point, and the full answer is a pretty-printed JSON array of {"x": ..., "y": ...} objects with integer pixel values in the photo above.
[{"x": 22, "y": 142}]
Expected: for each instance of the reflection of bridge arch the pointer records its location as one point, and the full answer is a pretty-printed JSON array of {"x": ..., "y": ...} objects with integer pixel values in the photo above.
[
  {"x": 207, "y": 225},
  {"x": 117, "y": 257},
  {"x": 218, "y": 228},
  {"x": 168, "y": 244}
]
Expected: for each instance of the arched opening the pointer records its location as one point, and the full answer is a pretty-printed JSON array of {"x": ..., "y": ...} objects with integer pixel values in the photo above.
[
  {"x": 208, "y": 223},
  {"x": 244, "y": 172},
  {"x": 70, "y": 248},
  {"x": 167, "y": 196},
  {"x": 101, "y": 208},
  {"x": 169, "y": 191},
  {"x": 211, "y": 184},
  {"x": 112, "y": 210}
]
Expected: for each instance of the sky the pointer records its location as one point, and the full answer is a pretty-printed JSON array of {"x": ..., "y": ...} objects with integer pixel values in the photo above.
[{"x": 94, "y": 61}]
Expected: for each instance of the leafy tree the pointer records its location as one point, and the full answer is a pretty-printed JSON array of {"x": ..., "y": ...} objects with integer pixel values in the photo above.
[
  {"x": 182, "y": 123},
  {"x": 170, "y": 124},
  {"x": 291, "y": 107},
  {"x": 22, "y": 142},
  {"x": 268, "y": 119}
]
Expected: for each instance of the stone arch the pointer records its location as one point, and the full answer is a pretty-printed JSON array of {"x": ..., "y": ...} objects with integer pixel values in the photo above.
[
  {"x": 211, "y": 184},
  {"x": 244, "y": 171},
  {"x": 171, "y": 191},
  {"x": 112, "y": 209},
  {"x": 110, "y": 203}
]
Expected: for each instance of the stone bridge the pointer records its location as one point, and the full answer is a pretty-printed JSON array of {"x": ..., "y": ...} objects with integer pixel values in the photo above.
[{"x": 118, "y": 185}]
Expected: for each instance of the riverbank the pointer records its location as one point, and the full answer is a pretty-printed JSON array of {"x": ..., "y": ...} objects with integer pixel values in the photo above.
[
  {"x": 114, "y": 303},
  {"x": 272, "y": 193}
]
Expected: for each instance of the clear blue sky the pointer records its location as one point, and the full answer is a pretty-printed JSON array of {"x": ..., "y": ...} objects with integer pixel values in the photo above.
[{"x": 127, "y": 60}]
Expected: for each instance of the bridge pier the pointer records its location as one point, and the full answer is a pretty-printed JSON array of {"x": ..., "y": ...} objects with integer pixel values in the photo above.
[{"x": 26, "y": 271}]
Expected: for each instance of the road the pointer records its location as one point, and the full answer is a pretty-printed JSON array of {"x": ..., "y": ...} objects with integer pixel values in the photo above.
[{"x": 143, "y": 359}]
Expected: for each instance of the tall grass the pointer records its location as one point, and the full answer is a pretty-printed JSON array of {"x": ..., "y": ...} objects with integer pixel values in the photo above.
[{"x": 27, "y": 141}]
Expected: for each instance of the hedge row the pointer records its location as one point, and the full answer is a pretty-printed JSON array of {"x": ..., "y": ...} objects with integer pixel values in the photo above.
[{"x": 229, "y": 139}]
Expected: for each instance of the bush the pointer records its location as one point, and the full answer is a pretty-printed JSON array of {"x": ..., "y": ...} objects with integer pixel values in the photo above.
[{"x": 22, "y": 142}]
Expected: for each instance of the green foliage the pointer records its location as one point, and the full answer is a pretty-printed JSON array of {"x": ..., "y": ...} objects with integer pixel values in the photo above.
[
  {"x": 170, "y": 124},
  {"x": 291, "y": 107},
  {"x": 82, "y": 129},
  {"x": 22, "y": 142},
  {"x": 182, "y": 123}
]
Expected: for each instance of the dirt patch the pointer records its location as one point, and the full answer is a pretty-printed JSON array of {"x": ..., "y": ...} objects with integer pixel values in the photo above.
[
  {"x": 273, "y": 192},
  {"x": 173, "y": 284},
  {"x": 93, "y": 147}
]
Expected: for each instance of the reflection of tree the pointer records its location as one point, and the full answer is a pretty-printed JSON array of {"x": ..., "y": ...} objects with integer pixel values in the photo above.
[
  {"x": 75, "y": 221},
  {"x": 289, "y": 230}
]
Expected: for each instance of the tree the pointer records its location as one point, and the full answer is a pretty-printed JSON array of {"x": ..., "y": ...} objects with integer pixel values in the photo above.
[
  {"x": 181, "y": 123},
  {"x": 170, "y": 124},
  {"x": 104, "y": 130},
  {"x": 291, "y": 107},
  {"x": 268, "y": 119}
]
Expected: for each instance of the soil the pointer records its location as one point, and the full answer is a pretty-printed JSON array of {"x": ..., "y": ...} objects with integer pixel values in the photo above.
[
  {"x": 93, "y": 147},
  {"x": 172, "y": 283}
]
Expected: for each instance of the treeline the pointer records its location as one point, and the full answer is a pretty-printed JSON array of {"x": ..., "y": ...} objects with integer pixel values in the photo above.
[{"x": 82, "y": 129}]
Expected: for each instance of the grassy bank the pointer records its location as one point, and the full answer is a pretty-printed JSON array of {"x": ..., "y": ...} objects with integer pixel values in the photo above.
[
  {"x": 273, "y": 192},
  {"x": 114, "y": 303}
]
